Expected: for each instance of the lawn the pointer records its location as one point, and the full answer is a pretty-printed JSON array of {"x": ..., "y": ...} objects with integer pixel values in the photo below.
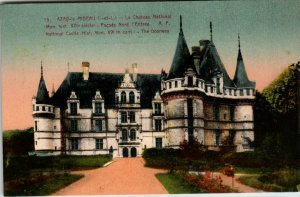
[
  {"x": 39, "y": 185},
  {"x": 175, "y": 184}
]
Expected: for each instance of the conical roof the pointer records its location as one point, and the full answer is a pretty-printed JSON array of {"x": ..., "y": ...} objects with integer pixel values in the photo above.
[
  {"x": 240, "y": 77},
  {"x": 42, "y": 96},
  {"x": 182, "y": 59},
  {"x": 211, "y": 65}
]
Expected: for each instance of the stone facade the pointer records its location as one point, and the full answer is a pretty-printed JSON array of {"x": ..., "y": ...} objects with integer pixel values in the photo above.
[{"x": 96, "y": 113}]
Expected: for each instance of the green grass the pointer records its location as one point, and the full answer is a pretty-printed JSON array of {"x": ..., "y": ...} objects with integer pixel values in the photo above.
[
  {"x": 174, "y": 184},
  {"x": 45, "y": 187},
  {"x": 253, "y": 181}
]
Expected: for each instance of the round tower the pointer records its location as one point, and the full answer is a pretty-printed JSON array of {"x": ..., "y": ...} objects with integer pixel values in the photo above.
[{"x": 43, "y": 115}]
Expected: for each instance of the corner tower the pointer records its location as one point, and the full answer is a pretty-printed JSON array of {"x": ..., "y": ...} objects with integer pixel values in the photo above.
[
  {"x": 43, "y": 114},
  {"x": 183, "y": 104}
]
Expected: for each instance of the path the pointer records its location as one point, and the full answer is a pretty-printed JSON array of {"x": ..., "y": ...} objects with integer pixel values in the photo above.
[
  {"x": 123, "y": 176},
  {"x": 236, "y": 185}
]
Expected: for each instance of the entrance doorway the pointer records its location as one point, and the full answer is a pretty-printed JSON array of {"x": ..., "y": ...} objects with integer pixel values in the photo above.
[
  {"x": 133, "y": 152},
  {"x": 125, "y": 152}
]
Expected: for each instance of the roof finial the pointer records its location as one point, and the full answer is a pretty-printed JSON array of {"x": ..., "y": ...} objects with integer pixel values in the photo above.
[
  {"x": 41, "y": 68},
  {"x": 210, "y": 26},
  {"x": 239, "y": 41},
  {"x": 180, "y": 23}
]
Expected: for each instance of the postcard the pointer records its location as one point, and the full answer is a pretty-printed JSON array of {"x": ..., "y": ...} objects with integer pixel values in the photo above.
[{"x": 122, "y": 98}]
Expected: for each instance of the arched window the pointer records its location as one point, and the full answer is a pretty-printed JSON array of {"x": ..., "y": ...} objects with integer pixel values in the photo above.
[
  {"x": 131, "y": 97},
  {"x": 123, "y": 97},
  {"x": 124, "y": 135},
  {"x": 132, "y": 135}
]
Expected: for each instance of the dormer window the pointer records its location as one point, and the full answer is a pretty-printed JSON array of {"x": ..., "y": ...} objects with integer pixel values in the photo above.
[
  {"x": 176, "y": 84},
  {"x": 157, "y": 108},
  {"x": 123, "y": 97},
  {"x": 98, "y": 108},
  {"x": 73, "y": 108},
  {"x": 218, "y": 86},
  {"x": 190, "y": 81},
  {"x": 131, "y": 98},
  {"x": 170, "y": 85},
  {"x": 43, "y": 108}
]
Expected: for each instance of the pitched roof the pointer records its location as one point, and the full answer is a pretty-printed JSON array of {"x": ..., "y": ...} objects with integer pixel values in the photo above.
[
  {"x": 42, "y": 95},
  {"x": 148, "y": 84},
  {"x": 182, "y": 59},
  {"x": 240, "y": 77},
  {"x": 211, "y": 65}
]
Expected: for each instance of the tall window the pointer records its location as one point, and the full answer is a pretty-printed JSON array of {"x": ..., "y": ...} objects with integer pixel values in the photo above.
[
  {"x": 123, "y": 97},
  {"x": 98, "y": 125},
  {"x": 35, "y": 125},
  {"x": 176, "y": 84},
  {"x": 248, "y": 91},
  {"x": 49, "y": 109},
  {"x": 157, "y": 125},
  {"x": 43, "y": 108},
  {"x": 74, "y": 144},
  {"x": 98, "y": 108},
  {"x": 123, "y": 117},
  {"x": 158, "y": 142},
  {"x": 132, "y": 135},
  {"x": 170, "y": 85},
  {"x": 216, "y": 112},
  {"x": 157, "y": 108},
  {"x": 99, "y": 144},
  {"x": 132, "y": 116},
  {"x": 73, "y": 108},
  {"x": 242, "y": 92},
  {"x": 124, "y": 135},
  {"x": 218, "y": 137},
  {"x": 232, "y": 113},
  {"x": 73, "y": 125},
  {"x": 218, "y": 86},
  {"x": 190, "y": 81},
  {"x": 131, "y": 97}
]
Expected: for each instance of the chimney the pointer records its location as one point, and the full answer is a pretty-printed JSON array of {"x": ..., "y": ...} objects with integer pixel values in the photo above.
[
  {"x": 134, "y": 71},
  {"x": 85, "y": 70}
]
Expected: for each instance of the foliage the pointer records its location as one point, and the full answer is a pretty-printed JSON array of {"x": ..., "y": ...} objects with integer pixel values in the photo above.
[
  {"x": 175, "y": 184},
  {"x": 20, "y": 166},
  {"x": 39, "y": 184},
  {"x": 276, "y": 116},
  {"x": 18, "y": 142},
  {"x": 285, "y": 179},
  {"x": 207, "y": 183}
]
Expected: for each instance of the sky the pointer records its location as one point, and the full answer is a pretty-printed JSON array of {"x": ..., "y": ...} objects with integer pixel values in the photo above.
[{"x": 269, "y": 32}]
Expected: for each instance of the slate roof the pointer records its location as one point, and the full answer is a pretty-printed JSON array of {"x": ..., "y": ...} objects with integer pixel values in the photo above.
[
  {"x": 211, "y": 65},
  {"x": 182, "y": 59},
  {"x": 42, "y": 96},
  {"x": 148, "y": 84},
  {"x": 240, "y": 77}
]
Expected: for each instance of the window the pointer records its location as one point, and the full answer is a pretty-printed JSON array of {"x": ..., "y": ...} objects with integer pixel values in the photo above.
[
  {"x": 131, "y": 97},
  {"x": 73, "y": 125},
  {"x": 73, "y": 108},
  {"x": 99, "y": 144},
  {"x": 124, "y": 135},
  {"x": 49, "y": 109},
  {"x": 74, "y": 144},
  {"x": 36, "y": 143},
  {"x": 35, "y": 125},
  {"x": 43, "y": 108},
  {"x": 123, "y": 117},
  {"x": 158, "y": 142},
  {"x": 170, "y": 85},
  {"x": 190, "y": 81},
  {"x": 225, "y": 116},
  {"x": 157, "y": 108},
  {"x": 157, "y": 125},
  {"x": 216, "y": 112},
  {"x": 248, "y": 91},
  {"x": 218, "y": 138},
  {"x": 197, "y": 82},
  {"x": 37, "y": 108},
  {"x": 232, "y": 113},
  {"x": 33, "y": 108},
  {"x": 176, "y": 84},
  {"x": 123, "y": 97},
  {"x": 218, "y": 86},
  {"x": 54, "y": 127},
  {"x": 132, "y": 135},
  {"x": 98, "y": 125},
  {"x": 132, "y": 116},
  {"x": 98, "y": 108}
]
